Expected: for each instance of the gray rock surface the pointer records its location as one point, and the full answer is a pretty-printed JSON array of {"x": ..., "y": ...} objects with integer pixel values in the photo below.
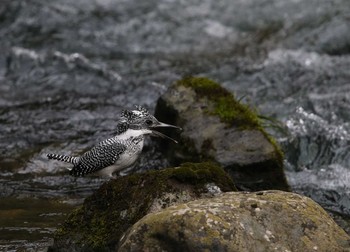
[
  {"x": 217, "y": 127},
  {"x": 237, "y": 221}
]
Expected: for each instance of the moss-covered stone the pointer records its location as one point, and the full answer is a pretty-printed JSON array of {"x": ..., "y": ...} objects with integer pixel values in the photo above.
[
  {"x": 219, "y": 128},
  {"x": 200, "y": 174},
  {"x": 226, "y": 107},
  {"x": 119, "y": 203},
  {"x": 236, "y": 221}
]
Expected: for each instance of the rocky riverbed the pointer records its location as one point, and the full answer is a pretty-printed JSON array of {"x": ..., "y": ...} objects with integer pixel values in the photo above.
[{"x": 67, "y": 69}]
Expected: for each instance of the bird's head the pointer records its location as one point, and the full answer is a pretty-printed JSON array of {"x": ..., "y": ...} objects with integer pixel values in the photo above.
[{"x": 141, "y": 120}]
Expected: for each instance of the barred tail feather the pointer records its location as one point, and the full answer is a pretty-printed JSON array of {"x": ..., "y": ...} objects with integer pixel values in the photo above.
[{"x": 63, "y": 158}]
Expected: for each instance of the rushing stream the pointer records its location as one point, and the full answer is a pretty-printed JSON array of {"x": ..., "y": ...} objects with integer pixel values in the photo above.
[{"x": 67, "y": 69}]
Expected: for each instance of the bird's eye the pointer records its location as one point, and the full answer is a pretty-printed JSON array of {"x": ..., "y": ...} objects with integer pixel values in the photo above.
[{"x": 149, "y": 122}]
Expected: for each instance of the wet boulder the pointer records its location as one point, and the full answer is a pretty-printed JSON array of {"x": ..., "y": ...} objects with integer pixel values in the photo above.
[
  {"x": 101, "y": 221},
  {"x": 217, "y": 127},
  {"x": 239, "y": 221}
]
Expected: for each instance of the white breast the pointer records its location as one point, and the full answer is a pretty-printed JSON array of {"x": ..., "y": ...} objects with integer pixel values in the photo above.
[
  {"x": 125, "y": 160},
  {"x": 133, "y": 133}
]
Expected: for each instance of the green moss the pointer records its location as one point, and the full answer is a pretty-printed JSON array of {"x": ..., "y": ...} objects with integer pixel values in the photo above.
[
  {"x": 199, "y": 174},
  {"x": 73, "y": 219},
  {"x": 279, "y": 153},
  {"x": 204, "y": 86},
  {"x": 225, "y": 106}
]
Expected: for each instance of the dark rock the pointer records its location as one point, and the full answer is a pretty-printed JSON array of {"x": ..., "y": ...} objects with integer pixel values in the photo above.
[
  {"x": 218, "y": 127},
  {"x": 237, "y": 221},
  {"x": 118, "y": 204}
]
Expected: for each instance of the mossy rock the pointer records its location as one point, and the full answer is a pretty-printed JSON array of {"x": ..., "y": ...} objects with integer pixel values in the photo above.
[
  {"x": 219, "y": 128},
  {"x": 100, "y": 223},
  {"x": 228, "y": 109},
  {"x": 239, "y": 221}
]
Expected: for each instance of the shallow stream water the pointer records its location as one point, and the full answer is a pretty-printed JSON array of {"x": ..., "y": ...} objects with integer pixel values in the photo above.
[{"x": 68, "y": 68}]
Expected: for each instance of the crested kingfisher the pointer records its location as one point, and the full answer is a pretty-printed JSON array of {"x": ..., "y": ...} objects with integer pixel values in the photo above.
[{"x": 119, "y": 153}]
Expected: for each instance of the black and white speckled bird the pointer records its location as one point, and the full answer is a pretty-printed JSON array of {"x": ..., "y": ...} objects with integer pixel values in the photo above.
[{"x": 119, "y": 153}]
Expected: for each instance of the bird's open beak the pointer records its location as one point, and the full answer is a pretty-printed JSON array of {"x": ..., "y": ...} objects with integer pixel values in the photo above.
[
  {"x": 158, "y": 134},
  {"x": 164, "y": 125}
]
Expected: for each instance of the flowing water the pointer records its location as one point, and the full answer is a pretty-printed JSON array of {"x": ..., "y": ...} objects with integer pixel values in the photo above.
[{"x": 68, "y": 68}]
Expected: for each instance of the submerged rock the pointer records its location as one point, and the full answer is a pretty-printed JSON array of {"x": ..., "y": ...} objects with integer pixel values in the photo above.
[
  {"x": 238, "y": 221},
  {"x": 218, "y": 127},
  {"x": 118, "y": 204}
]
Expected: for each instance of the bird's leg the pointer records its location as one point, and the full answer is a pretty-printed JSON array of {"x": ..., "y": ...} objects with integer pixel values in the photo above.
[{"x": 115, "y": 176}]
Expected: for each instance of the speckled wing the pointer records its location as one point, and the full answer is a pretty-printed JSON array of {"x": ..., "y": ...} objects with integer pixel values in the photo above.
[{"x": 105, "y": 154}]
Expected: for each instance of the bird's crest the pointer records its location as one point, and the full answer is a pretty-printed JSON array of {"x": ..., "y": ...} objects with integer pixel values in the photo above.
[
  {"x": 143, "y": 110},
  {"x": 130, "y": 115}
]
